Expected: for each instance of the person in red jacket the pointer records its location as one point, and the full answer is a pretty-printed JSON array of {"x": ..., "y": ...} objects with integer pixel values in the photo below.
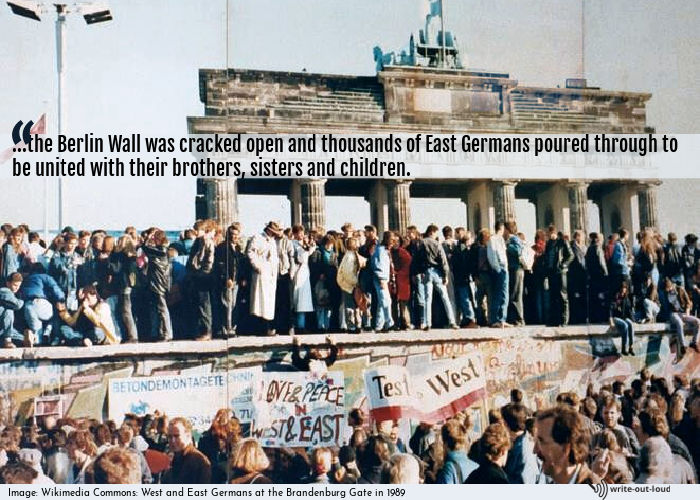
[{"x": 401, "y": 288}]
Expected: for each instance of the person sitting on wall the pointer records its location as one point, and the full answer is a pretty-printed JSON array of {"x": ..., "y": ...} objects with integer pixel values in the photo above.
[
  {"x": 90, "y": 324},
  {"x": 621, "y": 314},
  {"x": 679, "y": 305},
  {"x": 313, "y": 355}
]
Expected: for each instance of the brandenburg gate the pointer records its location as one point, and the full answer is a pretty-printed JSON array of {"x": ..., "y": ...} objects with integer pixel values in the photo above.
[{"x": 425, "y": 89}]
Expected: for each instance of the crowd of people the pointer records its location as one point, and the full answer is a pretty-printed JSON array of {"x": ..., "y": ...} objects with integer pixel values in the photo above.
[
  {"x": 89, "y": 288},
  {"x": 647, "y": 433}
]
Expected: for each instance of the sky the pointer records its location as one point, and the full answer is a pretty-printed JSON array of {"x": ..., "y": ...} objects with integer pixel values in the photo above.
[{"x": 139, "y": 73}]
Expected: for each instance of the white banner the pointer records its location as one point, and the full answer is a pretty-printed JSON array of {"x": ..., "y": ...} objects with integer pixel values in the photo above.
[
  {"x": 193, "y": 396},
  {"x": 430, "y": 392},
  {"x": 299, "y": 409}
]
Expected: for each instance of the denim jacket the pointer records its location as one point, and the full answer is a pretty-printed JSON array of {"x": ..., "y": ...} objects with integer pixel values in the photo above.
[{"x": 381, "y": 264}]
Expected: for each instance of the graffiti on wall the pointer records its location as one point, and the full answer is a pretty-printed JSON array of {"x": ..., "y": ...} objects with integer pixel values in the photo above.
[{"x": 539, "y": 367}]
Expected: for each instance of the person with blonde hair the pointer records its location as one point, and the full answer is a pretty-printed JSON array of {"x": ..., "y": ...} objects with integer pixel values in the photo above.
[
  {"x": 122, "y": 268},
  {"x": 249, "y": 463}
]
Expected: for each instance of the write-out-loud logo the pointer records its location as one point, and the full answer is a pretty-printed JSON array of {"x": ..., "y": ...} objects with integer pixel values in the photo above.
[
  {"x": 25, "y": 137},
  {"x": 600, "y": 489}
]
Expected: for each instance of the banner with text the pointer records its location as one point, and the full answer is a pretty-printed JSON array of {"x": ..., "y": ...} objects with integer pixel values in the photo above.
[
  {"x": 430, "y": 392},
  {"x": 299, "y": 409},
  {"x": 193, "y": 396}
]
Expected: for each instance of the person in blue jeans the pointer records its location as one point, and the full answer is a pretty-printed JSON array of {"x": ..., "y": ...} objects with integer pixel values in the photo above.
[
  {"x": 433, "y": 261},
  {"x": 9, "y": 304},
  {"x": 463, "y": 264},
  {"x": 496, "y": 254},
  {"x": 40, "y": 291},
  {"x": 621, "y": 314},
  {"x": 381, "y": 271}
]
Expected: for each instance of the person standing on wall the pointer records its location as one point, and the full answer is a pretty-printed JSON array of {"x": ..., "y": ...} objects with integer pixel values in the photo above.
[
  {"x": 516, "y": 274},
  {"x": 264, "y": 262},
  {"x": 498, "y": 260},
  {"x": 435, "y": 270},
  {"x": 558, "y": 257}
]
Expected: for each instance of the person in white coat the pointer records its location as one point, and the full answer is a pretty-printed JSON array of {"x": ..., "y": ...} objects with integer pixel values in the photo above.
[
  {"x": 264, "y": 263},
  {"x": 302, "y": 296}
]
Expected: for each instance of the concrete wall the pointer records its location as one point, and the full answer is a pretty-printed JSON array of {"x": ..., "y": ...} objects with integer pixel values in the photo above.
[{"x": 541, "y": 361}]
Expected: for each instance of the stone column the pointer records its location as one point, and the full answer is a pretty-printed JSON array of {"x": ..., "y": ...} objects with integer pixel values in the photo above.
[
  {"x": 379, "y": 211},
  {"x": 578, "y": 206},
  {"x": 648, "y": 208},
  {"x": 313, "y": 203},
  {"x": 504, "y": 199},
  {"x": 218, "y": 200},
  {"x": 399, "y": 201},
  {"x": 479, "y": 200}
]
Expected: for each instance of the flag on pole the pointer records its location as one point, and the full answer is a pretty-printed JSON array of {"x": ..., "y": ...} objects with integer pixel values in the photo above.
[{"x": 38, "y": 128}]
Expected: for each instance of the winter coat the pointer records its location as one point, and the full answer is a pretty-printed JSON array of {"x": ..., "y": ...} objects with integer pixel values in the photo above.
[
  {"x": 348, "y": 272},
  {"x": 596, "y": 266},
  {"x": 302, "y": 297},
  {"x": 463, "y": 264},
  {"x": 123, "y": 270},
  {"x": 158, "y": 271},
  {"x": 558, "y": 256},
  {"x": 402, "y": 272},
  {"x": 325, "y": 263},
  {"x": 227, "y": 261},
  {"x": 264, "y": 263}
]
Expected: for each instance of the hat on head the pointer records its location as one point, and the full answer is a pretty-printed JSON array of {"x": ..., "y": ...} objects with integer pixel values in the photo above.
[
  {"x": 68, "y": 229},
  {"x": 274, "y": 227}
]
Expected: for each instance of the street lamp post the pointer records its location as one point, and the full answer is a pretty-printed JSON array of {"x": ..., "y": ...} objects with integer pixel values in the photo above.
[{"x": 93, "y": 13}]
